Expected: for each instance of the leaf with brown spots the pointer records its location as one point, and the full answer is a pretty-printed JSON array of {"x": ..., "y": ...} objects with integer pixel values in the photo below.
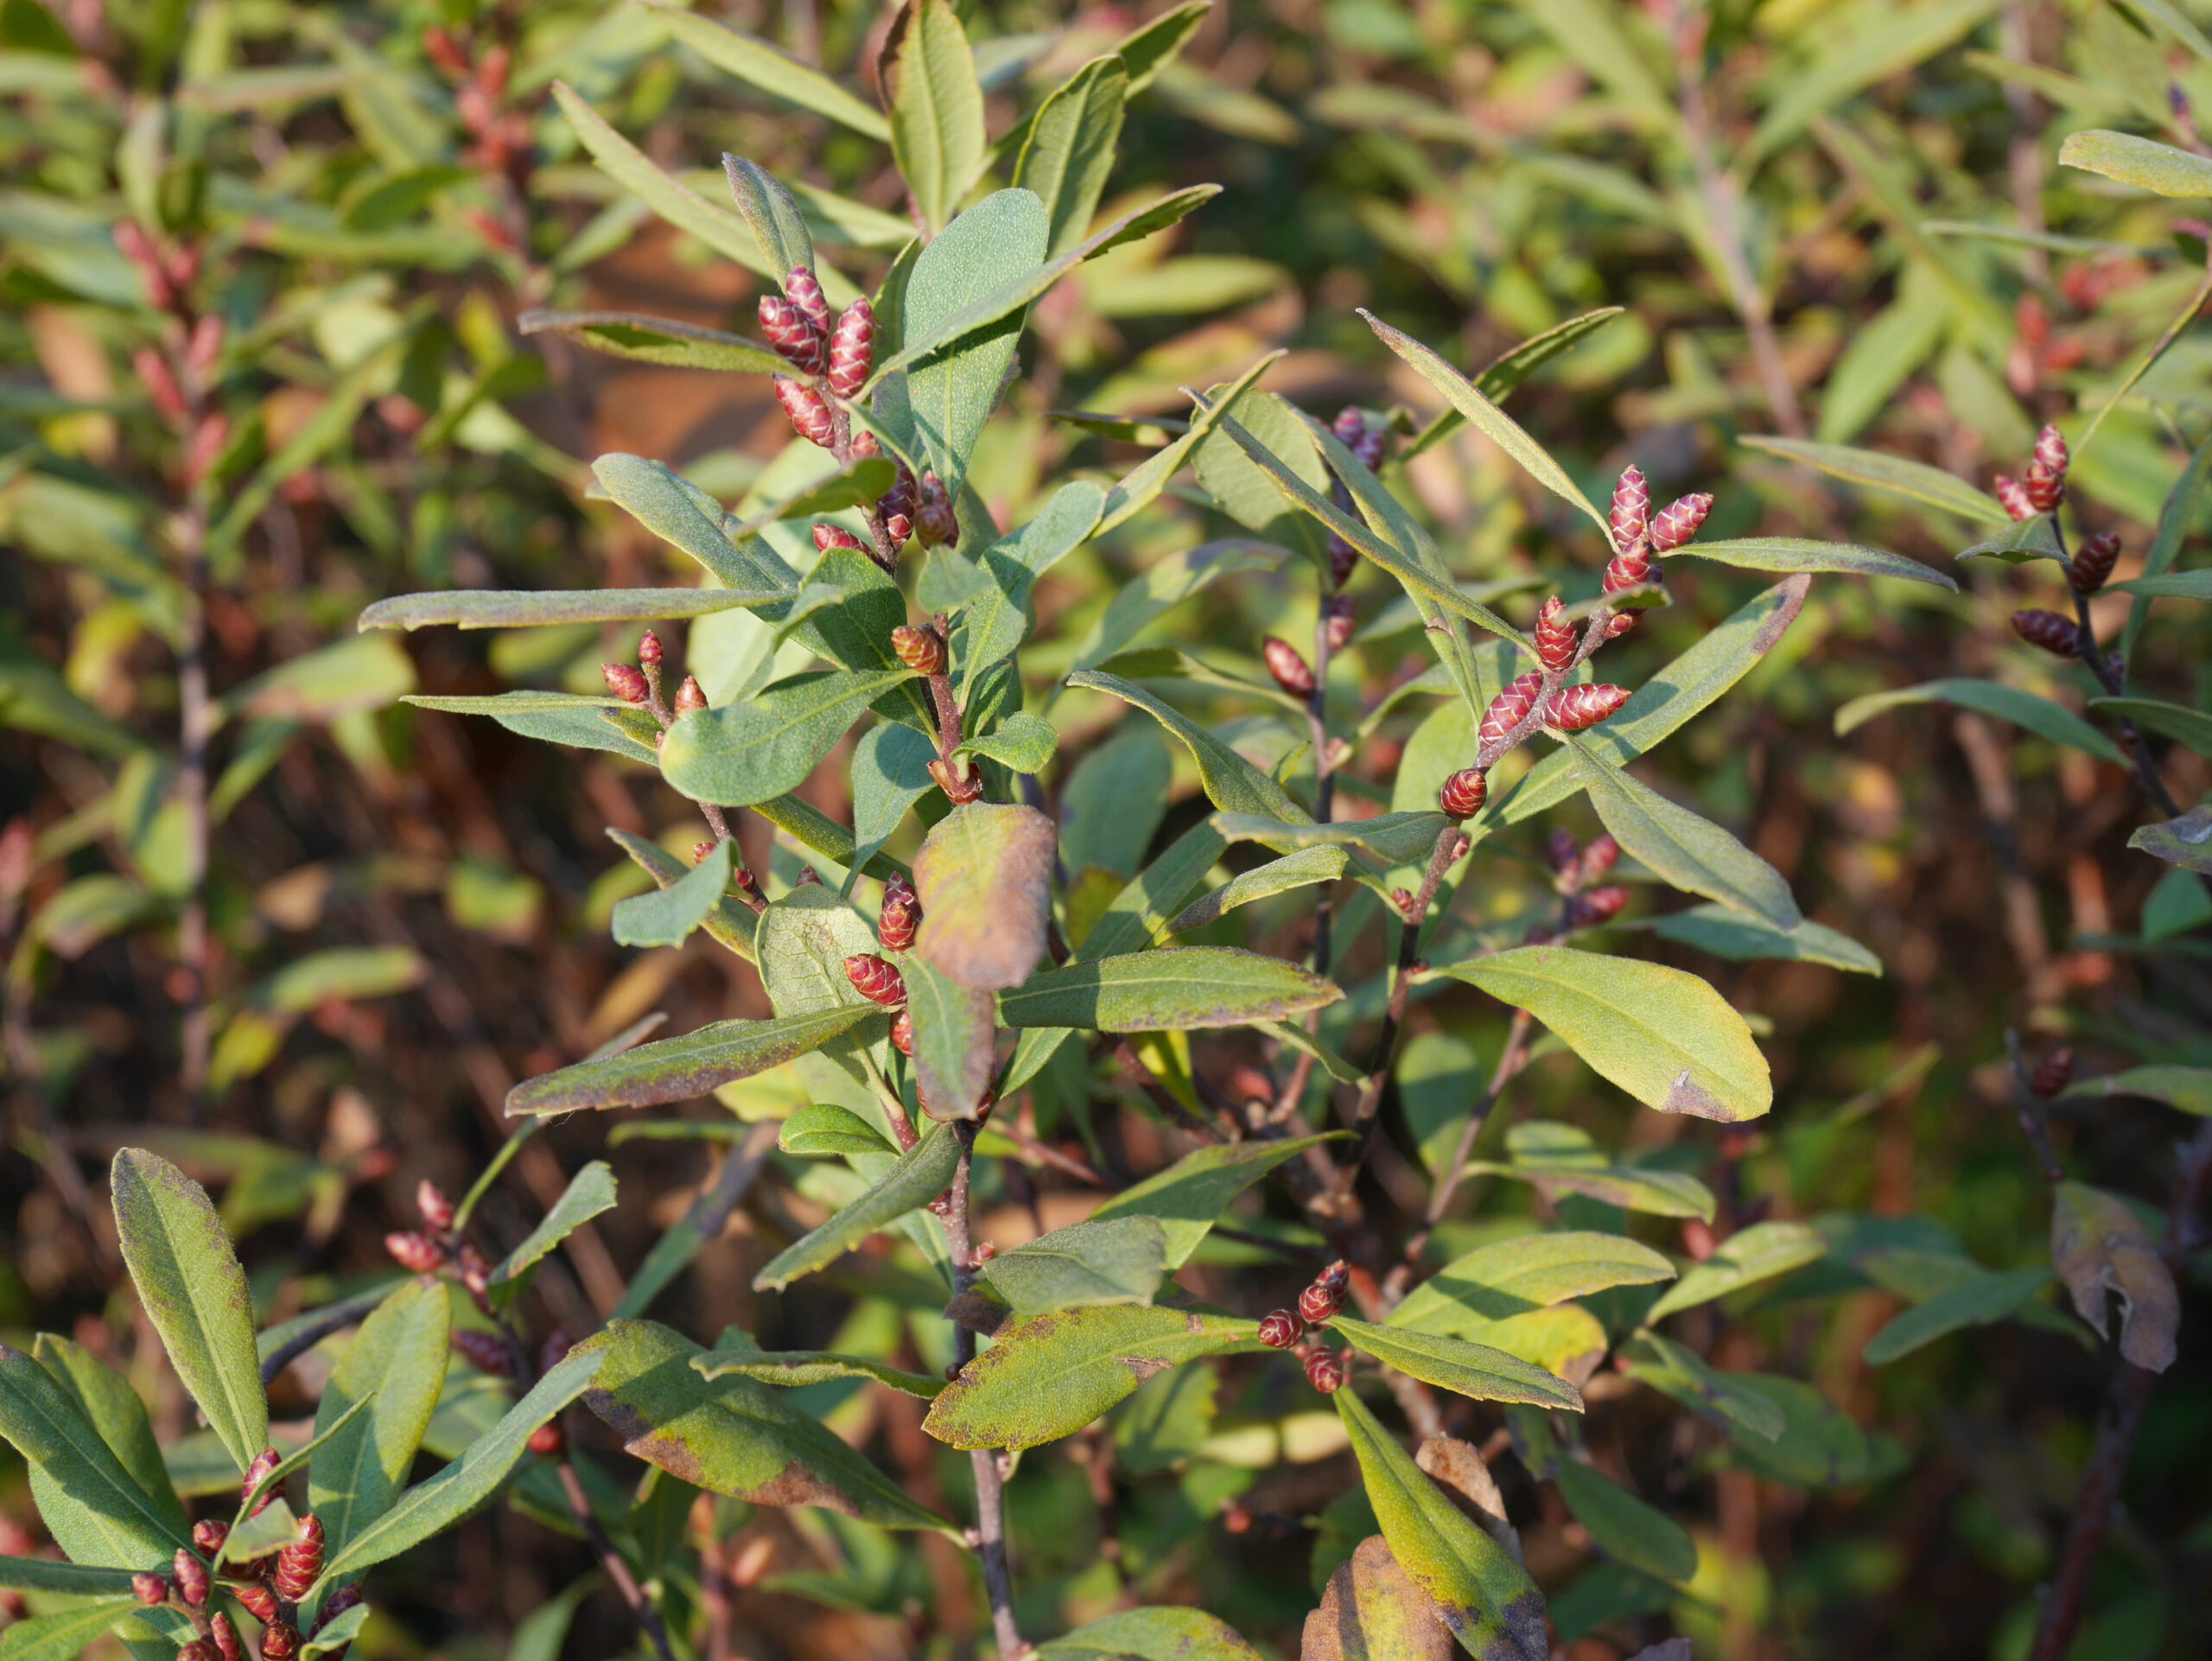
[
  {"x": 2100, "y": 1247},
  {"x": 1157, "y": 1634},
  {"x": 677, "y": 1069},
  {"x": 733, "y": 1434},
  {"x": 1049, "y": 1377},
  {"x": 984, "y": 876},
  {"x": 1373, "y": 1610}
]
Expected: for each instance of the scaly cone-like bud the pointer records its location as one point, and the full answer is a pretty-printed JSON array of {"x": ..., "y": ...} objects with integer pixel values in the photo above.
[
  {"x": 209, "y": 1535},
  {"x": 2093, "y": 562},
  {"x": 1288, "y": 665},
  {"x": 896, "y": 506},
  {"x": 436, "y": 1211},
  {"x": 876, "y": 979},
  {"x": 626, "y": 681},
  {"x": 2060, "y": 636},
  {"x": 827, "y": 537},
  {"x": 2050, "y": 451},
  {"x": 2046, "y": 489},
  {"x": 1599, "y": 857},
  {"x": 342, "y": 1599},
  {"x": 806, "y": 294},
  {"x": 418, "y": 1254},
  {"x": 920, "y": 647},
  {"x": 486, "y": 1351},
  {"x": 809, "y": 414},
  {"x": 1325, "y": 1371},
  {"x": 263, "y": 1462},
  {"x": 1336, "y": 621},
  {"x": 1680, "y": 522},
  {"x": 1508, "y": 709},
  {"x": 1599, "y": 905},
  {"x": 281, "y": 1642},
  {"x": 2014, "y": 496},
  {"x": 934, "y": 518},
  {"x": 1463, "y": 793},
  {"x": 901, "y": 914},
  {"x": 151, "y": 1589},
  {"x": 795, "y": 338},
  {"x": 1631, "y": 514},
  {"x": 299, "y": 1565},
  {"x": 191, "y": 1577},
  {"x": 852, "y": 348},
  {"x": 1555, "y": 640},
  {"x": 1344, "y": 560},
  {"x": 260, "y": 1602},
  {"x": 1322, "y": 1300},
  {"x": 2052, "y": 1072},
  {"x": 200, "y": 1649},
  {"x": 648, "y": 650},
  {"x": 902, "y": 1032},
  {"x": 690, "y": 696},
  {"x": 225, "y": 1636},
  {"x": 1572, "y": 707},
  {"x": 1281, "y": 1329}
]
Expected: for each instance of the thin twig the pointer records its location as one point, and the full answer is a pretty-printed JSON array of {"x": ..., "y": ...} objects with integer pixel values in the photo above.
[{"x": 648, "y": 1617}]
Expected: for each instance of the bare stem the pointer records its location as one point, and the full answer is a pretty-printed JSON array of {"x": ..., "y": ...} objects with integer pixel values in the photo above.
[{"x": 618, "y": 1571}]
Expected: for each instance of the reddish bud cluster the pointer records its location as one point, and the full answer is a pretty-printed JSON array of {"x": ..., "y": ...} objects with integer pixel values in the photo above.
[
  {"x": 2093, "y": 562},
  {"x": 1632, "y": 510},
  {"x": 205, "y": 345},
  {"x": 1572, "y": 707},
  {"x": 160, "y": 382},
  {"x": 1508, "y": 709},
  {"x": 1555, "y": 635},
  {"x": 1288, "y": 666},
  {"x": 2052, "y": 1072},
  {"x": 901, "y": 914},
  {"x": 810, "y": 413},
  {"x": 263, "y": 1462},
  {"x": 1281, "y": 1329},
  {"x": 2060, "y": 636},
  {"x": 299, "y": 1565},
  {"x": 797, "y": 341},
  {"x": 920, "y": 647},
  {"x": 1463, "y": 793},
  {"x": 876, "y": 979},
  {"x": 626, "y": 681},
  {"x": 827, "y": 537},
  {"x": 806, "y": 294},
  {"x": 852, "y": 348},
  {"x": 650, "y": 650},
  {"x": 1325, "y": 1371},
  {"x": 486, "y": 1351},
  {"x": 1325, "y": 1296},
  {"x": 935, "y": 522},
  {"x": 690, "y": 696},
  {"x": 2045, "y": 477},
  {"x": 339, "y": 1600},
  {"x": 431, "y": 1204},
  {"x": 200, "y": 1649},
  {"x": 192, "y": 1580}
]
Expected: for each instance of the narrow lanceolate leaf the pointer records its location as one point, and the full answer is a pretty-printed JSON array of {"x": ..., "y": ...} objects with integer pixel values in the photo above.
[
  {"x": 44, "y": 1424},
  {"x": 1883, "y": 472},
  {"x": 772, "y": 215},
  {"x": 397, "y": 1362},
  {"x": 2186, "y": 842},
  {"x": 434, "y": 1507},
  {"x": 1047, "y": 1377},
  {"x": 1474, "y": 1371},
  {"x": 195, "y": 1292},
  {"x": 1975, "y": 1301},
  {"x": 2175, "y": 721},
  {"x": 1664, "y": 1036},
  {"x": 1230, "y": 782},
  {"x": 1174, "y": 989},
  {"x": 921, "y": 1174},
  {"x": 1483, "y": 1596},
  {"x": 1070, "y": 150},
  {"x": 1727, "y": 1396},
  {"x": 666, "y": 916},
  {"x": 2188, "y": 1089},
  {"x": 2019, "y": 544},
  {"x": 954, "y": 1032},
  {"x": 1302, "y": 869},
  {"x": 2028, "y": 711},
  {"x": 66, "y": 1634},
  {"x": 2101, "y": 1250},
  {"x": 733, "y": 1434},
  {"x": 2174, "y": 585},
  {"x": 727, "y": 922},
  {"x": 1153, "y": 1634},
  {"x": 1512, "y": 367},
  {"x": 766, "y": 69},
  {"x": 677, "y": 1069},
  {"x": 719, "y": 228},
  {"x": 1103, "y": 1260},
  {"x": 663, "y": 341},
  {"x": 1728, "y": 933},
  {"x": 1797, "y": 554},
  {"x": 494, "y": 609},
  {"x": 794, "y": 1369},
  {"x": 937, "y": 136},
  {"x": 1189, "y": 1197},
  {"x": 122, "y": 1421},
  {"x": 590, "y": 1192},
  {"x": 1744, "y": 1258},
  {"x": 1680, "y": 847},
  {"x": 72, "y": 1579},
  {"x": 1493, "y": 423},
  {"x": 1624, "y": 1528},
  {"x": 2128, "y": 159},
  {"x": 984, "y": 877},
  {"x": 1394, "y": 838},
  {"x": 746, "y": 753},
  {"x": 1511, "y": 1277}
]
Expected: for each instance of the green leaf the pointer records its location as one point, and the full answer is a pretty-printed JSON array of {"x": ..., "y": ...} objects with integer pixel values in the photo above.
[
  {"x": 727, "y": 922},
  {"x": 667, "y": 916},
  {"x": 1664, "y": 1036},
  {"x": 1512, "y": 367},
  {"x": 733, "y": 1434},
  {"x": 1819, "y": 1444},
  {"x": 1493, "y": 423},
  {"x": 1190, "y": 1196},
  {"x": 121, "y": 1421},
  {"x": 823, "y": 1129},
  {"x": 430, "y": 1508},
  {"x": 493, "y": 608},
  {"x": 1302, "y": 869},
  {"x": 2186, "y": 842},
  {"x": 677, "y": 1069},
  {"x": 1141, "y": 487},
  {"x": 193, "y": 1289},
  {"x": 998, "y": 621},
  {"x": 803, "y": 941},
  {"x": 664, "y": 341},
  {"x": 71, "y": 1580},
  {"x": 1474, "y": 1371},
  {"x": 1682, "y": 848},
  {"x": 1975, "y": 1301},
  {"x": 744, "y": 753},
  {"x": 2028, "y": 710},
  {"x": 890, "y": 773},
  {"x": 2175, "y": 721},
  {"x": 1393, "y": 838},
  {"x": 1624, "y": 1528},
  {"x": 1050, "y": 1376},
  {"x": 1511, "y": 1277},
  {"x": 1483, "y": 1596},
  {"x": 1069, "y": 153},
  {"x": 337, "y": 1633},
  {"x": 1101, "y": 1261},
  {"x": 763, "y": 68},
  {"x": 2174, "y": 585},
  {"x": 1744, "y": 1258},
  {"x": 954, "y": 1036},
  {"x": 590, "y": 1192},
  {"x": 397, "y": 1362},
  {"x": 2018, "y": 543},
  {"x": 1730, "y": 934},
  {"x": 1173, "y": 988},
  {"x": 937, "y": 136},
  {"x": 1154, "y": 1634},
  {"x": 2188, "y": 1089},
  {"x": 339, "y": 679},
  {"x": 795, "y": 1369},
  {"x": 680, "y": 513},
  {"x": 1797, "y": 554},
  {"x": 2143, "y": 162},
  {"x": 125, "y": 1526},
  {"x": 1022, "y": 742},
  {"x": 67, "y": 1634},
  {"x": 952, "y": 392},
  {"x": 1372, "y": 1610},
  {"x": 920, "y": 1173},
  {"x": 1884, "y": 43},
  {"x": 772, "y": 215},
  {"x": 1556, "y": 1158},
  {"x": 1230, "y": 782},
  {"x": 1726, "y": 1396},
  {"x": 1893, "y": 473}
]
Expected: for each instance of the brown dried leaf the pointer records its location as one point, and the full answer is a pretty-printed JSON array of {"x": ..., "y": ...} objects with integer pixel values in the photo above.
[
  {"x": 1372, "y": 1611},
  {"x": 2099, "y": 1246},
  {"x": 1459, "y": 1468},
  {"x": 985, "y": 881}
]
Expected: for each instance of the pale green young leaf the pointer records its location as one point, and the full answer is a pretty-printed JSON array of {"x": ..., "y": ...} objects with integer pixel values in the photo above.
[
  {"x": 1533, "y": 1271},
  {"x": 1171, "y": 988},
  {"x": 679, "y": 513},
  {"x": 1022, "y": 742},
  {"x": 950, "y": 393},
  {"x": 1893, "y": 473},
  {"x": 1474, "y": 1371},
  {"x": 1230, "y": 782},
  {"x": 2032, "y": 538},
  {"x": 937, "y": 136},
  {"x": 919, "y": 1175},
  {"x": 664, "y": 341},
  {"x": 1798, "y": 554},
  {"x": 1154, "y": 1634},
  {"x": 194, "y": 1291},
  {"x": 1744, "y": 1258},
  {"x": 396, "y": 1364},
  {"x": 890, "y": 773},
  {"x": 120, "y": 1418},
  {"x": 1142, "y": 485},
  {"x": 1679, "y": 847},
  {"x": 667, "y": 916},
  {"x": 2128, "y": 159},
  {"x": 823, "y": 1129},
  {"x": 1510, "y": 367},
  {"x": 769, "y": 214},
  {"x": 997, "y": 622},
  {"x": 493, "y": 608},
  {"x": 744, "y": 753},
  {"x": 1069, "y": 153},
  {"x": 727, "y": 922},
  {"x": 590, "y": 1192},
  {"x": 1189, "y": 1197},
  {"x": 2028, "y": 711},
  {"x": 677, "y": 1069}
]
